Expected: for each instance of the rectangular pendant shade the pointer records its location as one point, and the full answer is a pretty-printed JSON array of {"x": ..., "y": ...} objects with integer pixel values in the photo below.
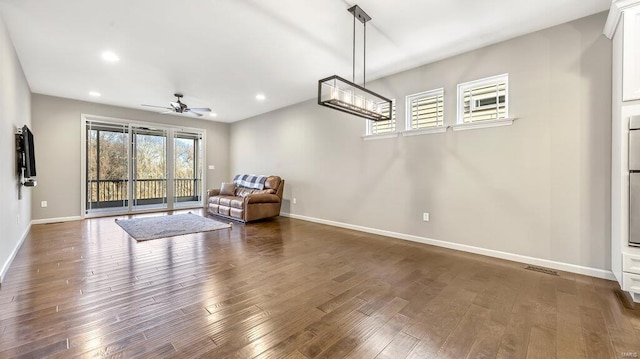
[{"x": 343, "y": 95}]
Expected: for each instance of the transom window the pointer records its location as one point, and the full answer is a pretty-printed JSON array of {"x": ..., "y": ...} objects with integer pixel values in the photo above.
[
  {"x": 425, "y": 110},
  {"x": 484, "y": 99},
  {"x": 382, "y": 127}
]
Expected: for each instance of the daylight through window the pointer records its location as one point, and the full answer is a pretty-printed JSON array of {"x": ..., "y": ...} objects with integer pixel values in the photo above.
[
  {"x": 483, "y": 100},
  {"x": 382, "y": 127},
  {"x": 425, "y": 110}
]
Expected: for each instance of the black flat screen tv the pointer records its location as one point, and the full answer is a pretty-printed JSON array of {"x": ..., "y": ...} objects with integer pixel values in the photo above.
[{"x": 28, "y": 153}]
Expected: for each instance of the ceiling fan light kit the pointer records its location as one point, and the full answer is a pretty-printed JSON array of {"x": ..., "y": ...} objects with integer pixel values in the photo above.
[
  {"x": 343, "y": 95},
  {"x": 180, "y": 107}
]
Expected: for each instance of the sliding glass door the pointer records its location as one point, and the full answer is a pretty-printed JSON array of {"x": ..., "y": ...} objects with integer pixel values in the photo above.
[
  {"x": 127, "y": 167},
  {"x": 187, "y": 168},
  {"x": 107, "y": 167},
  {"x": 149, "y": 172}
]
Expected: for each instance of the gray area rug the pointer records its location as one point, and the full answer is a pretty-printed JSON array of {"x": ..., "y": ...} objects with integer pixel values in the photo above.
[{"x": 143, "y": 229}]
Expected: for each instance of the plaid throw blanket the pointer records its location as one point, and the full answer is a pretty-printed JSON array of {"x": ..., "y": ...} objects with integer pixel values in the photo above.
[{"x": 250, "y": 181}]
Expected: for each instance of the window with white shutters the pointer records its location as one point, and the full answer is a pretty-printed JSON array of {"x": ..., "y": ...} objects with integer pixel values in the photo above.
[
  {"x": 425, "y": 110},
  {"x": 483, "y": 100},
  {"x": 383, "y": 127}
]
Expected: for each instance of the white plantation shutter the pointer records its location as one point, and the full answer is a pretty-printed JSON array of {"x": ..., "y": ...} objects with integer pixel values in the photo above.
[
  {"x": 483, "y": 100},
  {"x": 381, "y": 127},
  {"x": 425, "y": 110}
]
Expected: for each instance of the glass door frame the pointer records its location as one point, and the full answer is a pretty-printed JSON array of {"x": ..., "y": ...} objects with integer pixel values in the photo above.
[
  {"x": 137, "y": 183},
  {"x": 198, "y": 166},
  {"x": 170, "y": 131},
  {"x": 112, "y": 186}
]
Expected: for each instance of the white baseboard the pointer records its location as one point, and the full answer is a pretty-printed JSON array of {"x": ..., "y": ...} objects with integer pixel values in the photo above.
[
  {"x": 7, "y": 264},
  {"x": 56, "y": 220},
  {"x": 593, "y": 272}
]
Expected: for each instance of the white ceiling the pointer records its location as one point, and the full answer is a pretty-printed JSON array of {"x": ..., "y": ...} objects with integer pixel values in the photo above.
[{"x": 221, "y": 53}]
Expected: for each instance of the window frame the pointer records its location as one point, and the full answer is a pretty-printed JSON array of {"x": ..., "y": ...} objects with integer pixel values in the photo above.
[
  {"x": 483, "y": 82},
  {"x": 409, "y": 129},
  {"x": 369, "y": 125}
]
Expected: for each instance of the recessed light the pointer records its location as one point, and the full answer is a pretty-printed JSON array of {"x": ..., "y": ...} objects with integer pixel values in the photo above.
[
  {"x": 260, "y": 97},
  {"x": 109, "y": 56},
  {"x": 95, "y": 94},
  {"x": 213, "y": 114}
]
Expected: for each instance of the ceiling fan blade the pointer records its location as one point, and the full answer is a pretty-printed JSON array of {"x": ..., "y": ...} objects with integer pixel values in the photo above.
[
  {"x": 166, "y": 112},
  {"x": 200, "y": 109},
  {"x": 175, "y": 105},
  {"x": 190, "y": 110},
  {"x": 168, "y": 108}
]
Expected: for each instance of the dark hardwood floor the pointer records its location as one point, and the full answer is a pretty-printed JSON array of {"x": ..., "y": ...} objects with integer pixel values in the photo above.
[{"x": 286, "y": 288}]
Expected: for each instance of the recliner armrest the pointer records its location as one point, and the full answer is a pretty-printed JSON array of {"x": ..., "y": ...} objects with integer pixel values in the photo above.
[
  {"x": 214, "y": 192},
  {"x": 262, "y": 198}
]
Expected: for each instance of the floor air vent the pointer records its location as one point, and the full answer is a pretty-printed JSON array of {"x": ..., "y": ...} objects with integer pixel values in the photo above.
[{"x": 542, "y": 270}]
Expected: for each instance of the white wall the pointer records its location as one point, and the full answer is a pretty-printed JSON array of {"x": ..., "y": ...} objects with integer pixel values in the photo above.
[
  {"x": 15, "y": 111},
  {"x": 57, "y": 132},
  {"x": 538, "y": 188}
]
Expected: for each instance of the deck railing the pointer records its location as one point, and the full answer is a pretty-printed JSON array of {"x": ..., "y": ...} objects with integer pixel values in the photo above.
[{"x": 115, "y": 193}]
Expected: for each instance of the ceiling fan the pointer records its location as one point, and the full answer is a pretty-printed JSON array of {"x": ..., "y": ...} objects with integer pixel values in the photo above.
[{"x": 180, "y": 107}]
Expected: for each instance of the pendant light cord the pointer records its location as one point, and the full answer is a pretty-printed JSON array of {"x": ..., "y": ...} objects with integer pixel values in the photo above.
[
  {"x": 353, "y": 76},
  {"x": 364, "y": 52},
  {"x": 364, "y": 57}
]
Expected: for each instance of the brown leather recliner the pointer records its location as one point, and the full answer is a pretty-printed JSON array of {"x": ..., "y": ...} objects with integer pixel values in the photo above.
[{"x": 248, "y": 204}]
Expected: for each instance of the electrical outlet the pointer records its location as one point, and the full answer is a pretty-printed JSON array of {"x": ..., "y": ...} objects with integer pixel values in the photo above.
[
  {"x": 43, "y": 204},
  {"x": 295, "y": 200},
  {"x": 425, "y": 216},
  {"x": 212, "y": 167}
]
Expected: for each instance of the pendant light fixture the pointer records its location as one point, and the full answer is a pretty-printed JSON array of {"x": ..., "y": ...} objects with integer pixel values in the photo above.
[{"x": 346, "y": 96}]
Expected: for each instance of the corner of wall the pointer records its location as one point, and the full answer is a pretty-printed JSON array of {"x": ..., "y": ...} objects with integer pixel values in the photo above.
[{"x": 15, "y": 106}]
